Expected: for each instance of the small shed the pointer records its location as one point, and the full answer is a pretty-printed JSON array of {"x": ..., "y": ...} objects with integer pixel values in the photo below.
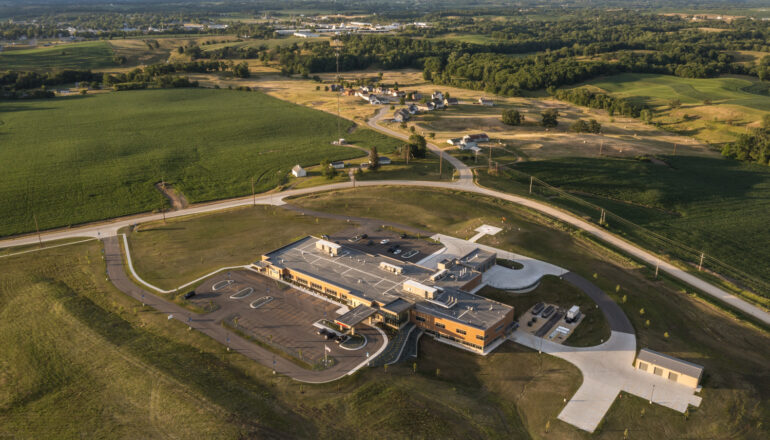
[
  {"x": 669, "y": 367},
  {"x": 298, "y": 171}
]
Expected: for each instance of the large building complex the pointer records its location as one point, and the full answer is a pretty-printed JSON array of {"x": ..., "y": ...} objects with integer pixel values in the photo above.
[{"x": 379, "y": 288}]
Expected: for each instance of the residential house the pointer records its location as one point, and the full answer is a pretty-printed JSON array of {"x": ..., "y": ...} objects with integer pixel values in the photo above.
[
  {"x": 479, "y": 137},
  {"x": 298, "y": 171},
  {"x": 437, "y": 95},
  {"x": 455, "y": 141},
  {"x": 486, "y": 102},
  {"x": 412, "y": 109},
  {"x": 382, "y": 160},
  {"x": 401, "y": 115},
  {"x": 416, "y": 96},
  {"x": 438, "y": 103},
  {"x": 338, "y": 165},
  {"x": 451, "y": 101}
]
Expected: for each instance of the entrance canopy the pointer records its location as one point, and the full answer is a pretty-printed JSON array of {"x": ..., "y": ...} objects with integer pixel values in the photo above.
[{"x": 355, "y": 316}]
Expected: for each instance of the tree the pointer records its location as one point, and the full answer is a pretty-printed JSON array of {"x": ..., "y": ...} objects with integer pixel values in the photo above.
[
  {"x": 675, "y": 103},
  {"x": 511, "y": 117},
  {"x": 241, "y": 70},
  {"x": 579, "y": 126},
  {"x": 594, "y": 126},
  {"x": 374, "y": 159},
  {"x": 420, "y": 146},
  {"x": 550, "y": 118},
  {"x": 327, "y": 170}
]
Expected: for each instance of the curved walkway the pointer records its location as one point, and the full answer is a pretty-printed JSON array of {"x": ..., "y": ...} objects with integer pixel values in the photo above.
[{"x": 205, "y": 324}]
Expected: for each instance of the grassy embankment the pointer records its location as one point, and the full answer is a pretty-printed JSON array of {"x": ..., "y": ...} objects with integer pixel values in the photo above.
[
  {"x": 735, "y": 102},
  {"x": 77, "y": 56},
  {"x": 100, "y": 156},
  {"x": 712, "y": 205},
  {"x": 83, "y": 360},
  {"x": 735, "y": 394}
]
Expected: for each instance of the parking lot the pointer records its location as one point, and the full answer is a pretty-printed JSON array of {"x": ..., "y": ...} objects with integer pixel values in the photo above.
[
  {"x": 402, "y": 247},
  {"x": 278, "y": 315},
  {"x": 553, "y": 327}
]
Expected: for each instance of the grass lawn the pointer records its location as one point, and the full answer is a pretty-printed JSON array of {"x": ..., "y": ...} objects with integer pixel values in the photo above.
[
  {"x": 99, "y": 156},
  {"x": 735, "y": 102},
  {"x": 86, "y": 361},
  {"x": 593, "y": 330},
  {"x": 735, "y": 395},
  {"x": 185, "y": 248},
  {"x": 713, "y": 205},
  {"x": 78, "y": 56}
]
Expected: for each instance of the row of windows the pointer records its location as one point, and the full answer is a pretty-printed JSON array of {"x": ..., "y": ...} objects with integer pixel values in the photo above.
[{"x": 658, "y": 371}]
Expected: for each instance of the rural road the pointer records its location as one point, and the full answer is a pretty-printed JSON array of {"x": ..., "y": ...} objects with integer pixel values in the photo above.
[{"x": 465, "y": 183}]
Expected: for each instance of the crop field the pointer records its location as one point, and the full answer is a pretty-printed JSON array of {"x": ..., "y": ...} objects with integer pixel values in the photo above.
[
  {"x": 101, "y": 155},
  {"x": 736, "y": 102},
  {"x": 735, "y": 395},
  {"x": 714, "y": 205},
  {"x": 82, "y": 56}
]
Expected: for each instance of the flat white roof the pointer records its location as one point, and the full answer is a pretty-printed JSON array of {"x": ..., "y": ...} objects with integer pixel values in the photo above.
[
  {"x": 421, "y": 286},
  {"x": 329, "y": 244}
]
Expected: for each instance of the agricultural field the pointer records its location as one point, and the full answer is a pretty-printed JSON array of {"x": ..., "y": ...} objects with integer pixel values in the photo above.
[
  {"x": 696, "y": 330},
  {"x": 101, "y": 155},
  {"x": 736, "y": 102},
  {"x": 77, "y": 56},
  {"x": 714, "y": 205}
]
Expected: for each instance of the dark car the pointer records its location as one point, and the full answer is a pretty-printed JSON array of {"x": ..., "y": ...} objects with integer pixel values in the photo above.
[
  {"x": 396, "y": 246},
  {"x": 364, "y": 236},
  {"x": 548, "y": 311},
  {"x": 321, "y": 332},
  {"x": 369, "y": 243},
  {"x": 330, "y": 335},
  {"x": 189, "y": 294},
  {"x": 538, "y": 308},
  {"x": 391, "y": 249},
  {"x": 325, "y": 237},
  {"x": 403, "y": 236}
]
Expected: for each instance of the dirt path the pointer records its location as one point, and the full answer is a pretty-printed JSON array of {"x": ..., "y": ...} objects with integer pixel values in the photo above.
[{"x": 177, "y": 199}]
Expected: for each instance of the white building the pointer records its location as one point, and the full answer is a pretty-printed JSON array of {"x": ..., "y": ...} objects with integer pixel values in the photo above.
[{"x": 298, "y": 171}]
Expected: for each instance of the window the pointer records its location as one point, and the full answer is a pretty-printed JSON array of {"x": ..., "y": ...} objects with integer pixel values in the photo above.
[
  {"x": 643, "y": 366},
  {"x": 316, "y": 286},
  {"x": 419, "y": 318},
  {"x": 673, "y": 376},
  {"x": 499, "y": 327},
  {"x": 658, "y": 371},
  {"x": 440, "y": 325},
  {"x": 480, "y": 337},
  {"x": 461, "y": 331},
  {"x": 301, "y": 280}
]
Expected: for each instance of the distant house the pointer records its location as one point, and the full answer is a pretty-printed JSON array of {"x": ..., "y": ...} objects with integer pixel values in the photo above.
[
  {"x": 412, "y": 109},
  {"x": 382, "y": 160},
  {"x": 298, "y": 171},
  {"x": 668, "y": 367},
  {"x": 451, "y": 101},
  {"x": 401, "y": 115},
  {"x": 350, "y": 92},
  {"x": 437, "y": 95},
  {"x": 376, "y": 100},
  {"x": 338, "y": 165},
  {"x": 438, "y": 103},
  {"x": 455, "y": 141},
  {"x": 467, "y": 145},
  {"x": 486, "y": 102},
  {"x": 306, "y": 34},
  {"x": 479, "y": 137},
  {"x": 416, "y": 96}
]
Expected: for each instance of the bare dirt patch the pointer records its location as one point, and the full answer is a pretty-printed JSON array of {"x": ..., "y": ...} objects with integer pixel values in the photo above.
[{"x": 176, "y": 198}]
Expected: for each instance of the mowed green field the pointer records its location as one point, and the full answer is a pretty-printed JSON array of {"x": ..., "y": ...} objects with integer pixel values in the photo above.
[
  {"x": 78, "y": 159},
  {"x": 77, "y": 56},
  {"x": 717, "y": 206},
  {"x": 735, "y": 102}
]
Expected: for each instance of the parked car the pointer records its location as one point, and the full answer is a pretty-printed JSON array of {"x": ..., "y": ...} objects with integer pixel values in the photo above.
[
  {"x": 538, "y": 308},
  {"x": 403, "y": 235},
  {"x": 364, "y": 236},
  {"x": 548, "y": 311},
  {"x": 330, "y": 335},
  {"x": 321, "y": 332},
  {"x": 384, "y": 241},
  {"x": 325, "y": 237},
  {"x": 369, "y": 243},
  {"x": 391, "y": 249},
  {"x": 397, "y": 251},
  {"x": 189, "y": 294}
]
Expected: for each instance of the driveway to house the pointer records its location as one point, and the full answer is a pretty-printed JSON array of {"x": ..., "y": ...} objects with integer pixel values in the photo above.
[{"x": 113, "y": 256}]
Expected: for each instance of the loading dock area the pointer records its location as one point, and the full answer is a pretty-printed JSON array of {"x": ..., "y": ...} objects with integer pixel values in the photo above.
[{"x": 553, "y": 327}]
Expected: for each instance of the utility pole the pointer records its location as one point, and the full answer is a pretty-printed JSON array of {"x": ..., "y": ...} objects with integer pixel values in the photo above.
[
  {"x": 39, "y": 239},
  {"x": 657, "y": 266},
  {"x": 253, "y": 195},
  {"x": 440, "y": 164},
  {"x": 602, "y": 218},
  {"x": 531, "y": 179},
  {"x": 674, "y": 149},
  {"x": 601, "y": 147},
  {"x": 700, "y": 265},
  {"x": 162, "y": 209},
  {"x": 490, "y": 158}
]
